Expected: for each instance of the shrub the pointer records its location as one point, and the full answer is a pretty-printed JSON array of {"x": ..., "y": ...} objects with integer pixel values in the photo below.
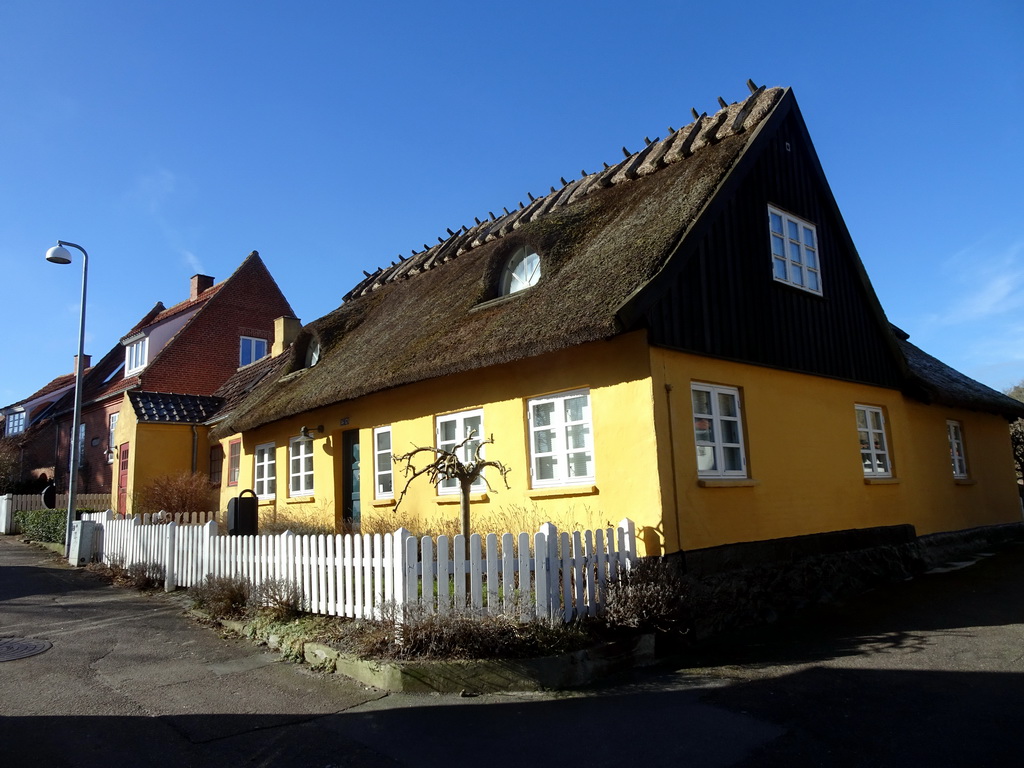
[
  {"x": 141, "y": 576},
  {"x": 650, "y": 596},
  {"x": 222, "y": 596},
  {"x": 278, "y": 599},
  {"x": 456, "y": 636},
  {"x": 183, "y": 493},
  {"x": 42, "y": 524}
]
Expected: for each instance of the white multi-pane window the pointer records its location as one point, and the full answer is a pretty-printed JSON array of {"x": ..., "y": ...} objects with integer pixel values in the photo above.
[
  {"x": 794, "y": 251},
  {"x": 561, "y": 439},
  {"x": 383, "y": 472},
  {"x": 135, "y": 356},
  {"x": 15, "y": 423},
  {"x": 300, "y": 467},
  {"x": 112, "y": 438},
  {"x": 265, "y": 471},
  {"x": 521, "y": 271},
  {"x": 453, "y": 429},
  {"x": 957, "y": 455},
  {"x": 250, "y": 350},
  {"x": 718, "y": 431},
  {"x": 874, "y": 449}
]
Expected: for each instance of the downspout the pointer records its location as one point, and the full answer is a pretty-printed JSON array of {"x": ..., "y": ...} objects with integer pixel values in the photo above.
[{"x": 672, "y": 459}]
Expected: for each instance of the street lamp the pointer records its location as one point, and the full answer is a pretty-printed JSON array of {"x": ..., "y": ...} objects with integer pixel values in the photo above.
[{"x": 60, "y": 255}]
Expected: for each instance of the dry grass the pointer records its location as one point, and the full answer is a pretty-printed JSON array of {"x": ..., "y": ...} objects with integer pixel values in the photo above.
[{"x": 183, "y": 493}]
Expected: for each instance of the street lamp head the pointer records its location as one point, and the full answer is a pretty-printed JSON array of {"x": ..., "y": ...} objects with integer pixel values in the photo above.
[{"x": 58, "y": 255}]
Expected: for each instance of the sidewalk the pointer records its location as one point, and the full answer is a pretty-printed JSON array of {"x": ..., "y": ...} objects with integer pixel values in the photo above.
[{"x": 930, "y": 672}]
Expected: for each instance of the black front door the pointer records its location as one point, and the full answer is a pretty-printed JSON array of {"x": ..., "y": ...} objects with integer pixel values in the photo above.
[{"x": 350, "y": 476}]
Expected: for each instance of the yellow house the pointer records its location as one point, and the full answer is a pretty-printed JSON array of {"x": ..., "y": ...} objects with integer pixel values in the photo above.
[{"x": 687, "y": 338}]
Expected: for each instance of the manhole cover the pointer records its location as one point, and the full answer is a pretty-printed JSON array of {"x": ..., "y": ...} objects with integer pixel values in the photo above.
[{"x": 12, "y": 648}]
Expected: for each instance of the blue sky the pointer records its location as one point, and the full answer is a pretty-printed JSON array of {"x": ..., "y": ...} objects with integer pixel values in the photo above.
[{"x": 175, "y": 138}]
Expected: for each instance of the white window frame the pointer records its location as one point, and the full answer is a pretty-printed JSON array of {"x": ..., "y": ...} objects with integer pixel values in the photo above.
[
  {"x": 957, "y": 451},
  {"x": 795, "y": 261},
  {"x": 561, "y": 451},
  {"x": 14, "y": 424},
  {"x": 383, "y": 468},
  {"x": 264, "y": 471},
  {"x": 711, "y": 426},
  {"x": 874, "y": 443},
  {"x": 461, "y": 432},
  {"x": 521, "y": 271},
  {"x": 300, "y": 478},
  {"x": 136, "y": 355},
  {"x": 255, "y": 344},
  {"x": 234, "y": 461},
  {"x": 112, "y": 437}
]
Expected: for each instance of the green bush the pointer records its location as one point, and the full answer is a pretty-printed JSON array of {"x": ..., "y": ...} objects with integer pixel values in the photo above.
[{"x": 42, "y": 524}]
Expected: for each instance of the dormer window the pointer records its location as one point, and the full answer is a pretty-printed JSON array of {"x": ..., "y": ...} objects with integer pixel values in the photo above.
[
  {"x": 251, "y": 349},
  {"x": 312, "y": 353},
  {"x": 521, "y": 272},
  {"x": 136, "y": 356},
  {"x": 15, "y": 423}
]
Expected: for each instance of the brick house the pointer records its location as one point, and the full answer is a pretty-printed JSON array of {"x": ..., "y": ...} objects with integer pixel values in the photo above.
[{"x": 145, "y": 402}]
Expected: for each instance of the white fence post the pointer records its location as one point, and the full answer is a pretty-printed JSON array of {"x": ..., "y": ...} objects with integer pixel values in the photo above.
[
  {"x": 209, "y": 534},
  {"x": 547, "y": 570},
  {"x": 7, "y": 513},
  {"x": 170, "y": 576},
  {"x": 627, "y": 540}
]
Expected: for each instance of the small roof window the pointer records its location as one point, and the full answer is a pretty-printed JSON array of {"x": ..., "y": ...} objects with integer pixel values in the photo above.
[
  {"x": 312, "y": 353},
  {"x": 521, "y": 271}
]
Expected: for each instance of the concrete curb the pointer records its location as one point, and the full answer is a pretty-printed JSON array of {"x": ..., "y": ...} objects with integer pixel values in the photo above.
[{"x": 564, "y": 671}]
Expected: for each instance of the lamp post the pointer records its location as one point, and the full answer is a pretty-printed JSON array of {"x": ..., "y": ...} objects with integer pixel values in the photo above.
[{"x": 60, "y": 255}]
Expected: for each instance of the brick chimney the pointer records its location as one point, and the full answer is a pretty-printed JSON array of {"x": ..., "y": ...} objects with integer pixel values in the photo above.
[
  {"x": 199, "y": 285},
  {"x": 286, "y": 328},
  {"x": 86, "y": 360}
]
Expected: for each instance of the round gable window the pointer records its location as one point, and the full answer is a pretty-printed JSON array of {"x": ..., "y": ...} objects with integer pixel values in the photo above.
[{"x": 521, "y": 272}]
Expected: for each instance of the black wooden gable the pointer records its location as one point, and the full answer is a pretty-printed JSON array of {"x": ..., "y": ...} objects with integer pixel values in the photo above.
[{"x": 717, "y": 295}]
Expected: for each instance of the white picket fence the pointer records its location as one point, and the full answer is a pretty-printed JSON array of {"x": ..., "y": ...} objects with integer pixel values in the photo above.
[{"x": 546, "y": 574}]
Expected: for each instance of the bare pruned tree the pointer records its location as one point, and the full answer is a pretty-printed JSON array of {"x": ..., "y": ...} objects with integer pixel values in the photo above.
[{"x": 445, "y": 464}]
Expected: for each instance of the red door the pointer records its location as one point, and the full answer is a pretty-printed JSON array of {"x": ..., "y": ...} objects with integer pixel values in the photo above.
[{"x": 122, "y": 480}]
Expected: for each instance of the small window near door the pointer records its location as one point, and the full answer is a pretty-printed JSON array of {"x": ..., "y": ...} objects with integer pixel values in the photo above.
[
  {"x": 300, "y": 467},
  {"x": 265, "y": 471},
  {"x": 383, "y": 472},
  {"x": 234, "y": 461}
]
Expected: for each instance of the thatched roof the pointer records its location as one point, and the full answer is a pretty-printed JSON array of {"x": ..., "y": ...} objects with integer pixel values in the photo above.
[
  {"x": 938, "y": 383},
  {"x": 601, "y": 238}
]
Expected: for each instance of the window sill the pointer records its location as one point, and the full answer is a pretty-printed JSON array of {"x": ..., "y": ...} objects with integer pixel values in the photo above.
[
  {"x": 456, "y": 498},
  {"x": 739, "y": 482},
  {"x": 557, "y": 492},
  {"x": 383, "y": 502},
  {"x": 264, "y": 501},
  {"x": 881, "y": 481},
  {"x": 495, "y": 302},
  {"x": 300, "y": 499},
  {"x": 964, "y": 481}
]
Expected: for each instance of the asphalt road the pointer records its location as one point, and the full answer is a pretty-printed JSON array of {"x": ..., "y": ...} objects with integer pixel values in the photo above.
[{"x": 926, "y": 673}]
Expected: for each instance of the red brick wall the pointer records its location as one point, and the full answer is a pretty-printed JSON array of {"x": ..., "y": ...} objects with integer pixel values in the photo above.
[{"x": 205, "y": 353}]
